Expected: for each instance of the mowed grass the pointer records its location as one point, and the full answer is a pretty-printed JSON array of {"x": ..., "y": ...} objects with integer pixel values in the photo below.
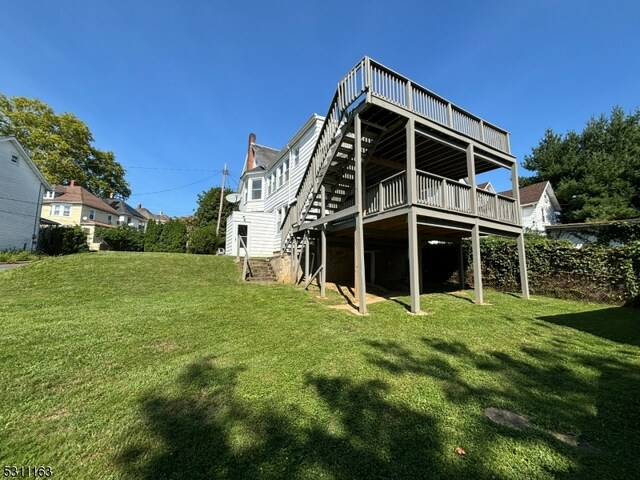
[{"x": 158, "y": 366}]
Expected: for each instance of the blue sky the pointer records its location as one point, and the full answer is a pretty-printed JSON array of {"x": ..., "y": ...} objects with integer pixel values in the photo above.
[{"x": 169, "y": 85}]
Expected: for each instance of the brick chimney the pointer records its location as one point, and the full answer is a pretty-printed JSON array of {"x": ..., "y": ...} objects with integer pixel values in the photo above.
[{"x": 251, "y": 162}]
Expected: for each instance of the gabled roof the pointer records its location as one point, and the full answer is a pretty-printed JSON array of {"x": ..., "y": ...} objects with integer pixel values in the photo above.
[
  {"x": 533, "y": 193},
  {"x": 264, "y": 156},
  {"x": 149, "y": 215},
  {"x": 27, "y": 159},
  {"x": 122, "y": 207},
  {"x": 78, "y": 194}
]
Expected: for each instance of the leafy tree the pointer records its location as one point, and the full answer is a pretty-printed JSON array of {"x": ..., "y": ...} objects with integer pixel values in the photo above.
[
  {"x": 208, "y": 207},
  {"x": 173, "y": 237},
  {"x": 595, "y": 173},
  {"x": 152, "y": 236},
  {"x": 61, "y": 146},
  {"x": 122, "y": 238},
  {"x": 204, "y": 240}
]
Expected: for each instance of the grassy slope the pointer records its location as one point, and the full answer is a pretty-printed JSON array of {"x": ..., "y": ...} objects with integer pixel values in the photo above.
[{"x": 165, "y": 366}]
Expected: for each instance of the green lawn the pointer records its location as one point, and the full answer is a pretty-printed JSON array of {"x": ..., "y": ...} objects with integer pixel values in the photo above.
[{"x": 166, "y": 366}]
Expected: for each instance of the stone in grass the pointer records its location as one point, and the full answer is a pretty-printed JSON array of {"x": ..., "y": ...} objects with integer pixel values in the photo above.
[{"x": 506, "y": 418}]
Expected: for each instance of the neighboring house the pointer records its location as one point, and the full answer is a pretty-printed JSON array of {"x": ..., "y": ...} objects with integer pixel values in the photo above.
[
  {"x": 74, "y": 205},
  {"x": 539, "y": 206},
  {"x": 127, "y": 215},
  {"x": 21, "y": 189},
  {"x": 269, "y": 182},
  {"x": 149, "y": 215},
  {"x": 583, "y": 233}
]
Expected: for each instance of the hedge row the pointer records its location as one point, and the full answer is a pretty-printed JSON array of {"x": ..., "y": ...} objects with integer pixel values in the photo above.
[{"x": 593, "y": 272}]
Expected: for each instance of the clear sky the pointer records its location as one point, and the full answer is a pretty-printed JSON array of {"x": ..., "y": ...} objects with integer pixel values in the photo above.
[{"x": 176, "y": 86}]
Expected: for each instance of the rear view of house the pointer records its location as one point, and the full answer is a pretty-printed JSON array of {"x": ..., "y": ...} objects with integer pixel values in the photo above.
[{"x": 22, "y": 187}]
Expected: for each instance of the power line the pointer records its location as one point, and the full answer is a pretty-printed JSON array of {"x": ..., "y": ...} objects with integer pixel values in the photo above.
[
  {"x": 175, "y": 169},
  {"x": 172, "y": 189}
]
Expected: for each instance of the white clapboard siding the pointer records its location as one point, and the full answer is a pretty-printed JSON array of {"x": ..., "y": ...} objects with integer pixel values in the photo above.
[
  {"x": 260, "y": 231},
  {"x": 21, "y": 192}
]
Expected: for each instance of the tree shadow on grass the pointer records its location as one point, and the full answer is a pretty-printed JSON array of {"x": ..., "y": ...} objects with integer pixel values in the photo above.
[
  {"x": 620, "y": 324},
  {"x": 542, "y": 382},
  {"x": 209, "y": 431}
]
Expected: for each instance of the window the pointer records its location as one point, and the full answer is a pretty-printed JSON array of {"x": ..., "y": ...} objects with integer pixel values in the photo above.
[
  {"x": 14, "y": 159},
  {"x": 109, "y": 219},
  {"x": 128, "y": 220},
  {"x": 49, "y": 195},
  {"x": 57, "y": 210},
  {"x": 279, "y": 177},
  {"x": 273, "y": 183},
  {"x": 92, "y": 214},
  {"x": 285, "y": 171},
  {"x": 256, "y": 189},
  {"x": 296, "y": 156}
]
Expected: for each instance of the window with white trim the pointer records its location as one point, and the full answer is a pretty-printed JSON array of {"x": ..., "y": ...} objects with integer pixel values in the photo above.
[
  {"x": 92, "y": 214},
  {"x": 49, "y": 194},
  {"x": 295, "y": 153},
  {"x": 256, "y": 189},
  {"x": 285, "y": 171},
  {"x": 60, "y": 210},
  {"x": 109, "y": 219},
  {"x": 279, "y": 176}
]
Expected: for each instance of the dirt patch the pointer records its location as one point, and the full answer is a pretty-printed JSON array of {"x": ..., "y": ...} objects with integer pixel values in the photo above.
[
  {"x": 166, "y": 346},
  {"x": 506, "y": 418}
]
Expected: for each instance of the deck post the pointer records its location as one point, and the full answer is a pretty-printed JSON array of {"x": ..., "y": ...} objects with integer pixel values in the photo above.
[
  {"x": 477, "y": 265},
  {"x": 306, "y": 255},
  {"x": 323, "y": 244},
  {"x": 414, "y": 277},
  {"x": 359, "y": 263},
  {"x": 471, "y": 174},
  {"x": 412, "y": 177},
  {"x": 294, "y": 259},
  {"x": 420, "y": 269},
  {"x": 522, "y": 257},
  {"x": 461, "y": 266}
]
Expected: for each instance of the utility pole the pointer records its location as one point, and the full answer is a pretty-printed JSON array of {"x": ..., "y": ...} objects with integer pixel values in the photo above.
[{"x": 224, "y": 176}]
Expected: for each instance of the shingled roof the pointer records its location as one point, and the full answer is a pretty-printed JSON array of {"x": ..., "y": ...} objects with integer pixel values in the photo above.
[
  {"x": 76, "y": 194},
  {"x": 528, "y": 194},
  {"x": 264, "y": 156},
  {"x": 122, "y": 207}
]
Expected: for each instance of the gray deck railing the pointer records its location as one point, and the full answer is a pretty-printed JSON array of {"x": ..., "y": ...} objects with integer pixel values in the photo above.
[
  {"x": 382, "y": 82},
  {"x": 438, "y": 192}
]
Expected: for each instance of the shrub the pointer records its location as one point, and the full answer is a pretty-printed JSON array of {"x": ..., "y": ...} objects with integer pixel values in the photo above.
[
  {"x": 558, "y": 268},
  {"x": 63, "y": 240},
  {"x": 204, "y": 240},
  {"x": 122, "y": 238}
]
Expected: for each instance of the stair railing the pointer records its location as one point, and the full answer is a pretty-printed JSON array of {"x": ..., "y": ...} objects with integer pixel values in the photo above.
[{"x": 246, "y": 266}]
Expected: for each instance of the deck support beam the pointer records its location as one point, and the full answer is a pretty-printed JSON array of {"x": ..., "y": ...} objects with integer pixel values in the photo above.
[
  {"x": 522, "y": 260},
  {"x": 306, "y": 256},
  {"x": 359, "y": 264},
  {"x": 414, "y": 255},
  {"x": 477, "y": 265},
  {"x": 294, "y": 260},
  {"x": 461, "y": 267},
  {"x": 522, "y": 257},
  {"x": 323, "y": 244}
]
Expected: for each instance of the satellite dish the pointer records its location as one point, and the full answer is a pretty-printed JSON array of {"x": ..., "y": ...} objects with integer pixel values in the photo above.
[{"x": 233, "y": 197}]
